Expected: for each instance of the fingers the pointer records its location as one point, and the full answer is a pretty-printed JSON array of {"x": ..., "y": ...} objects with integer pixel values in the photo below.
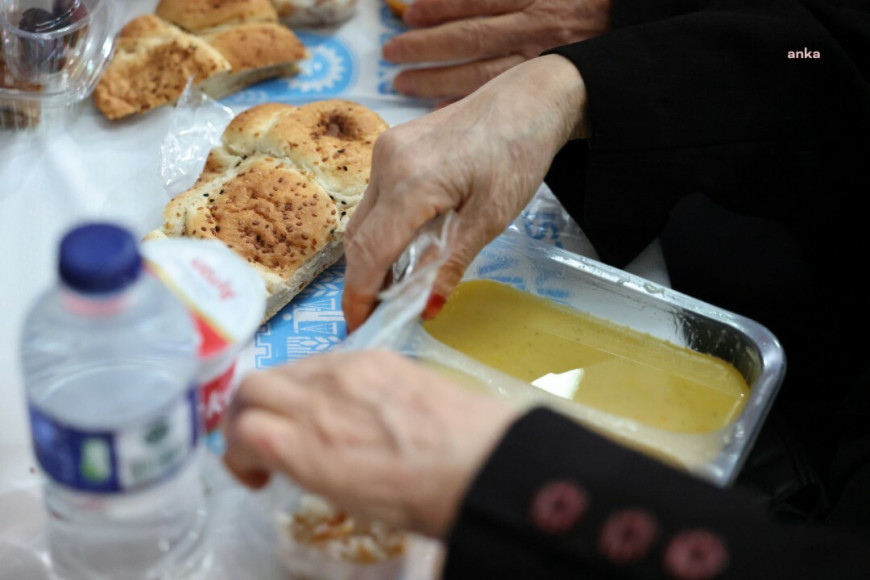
[
  {"x": 256, "y": 440},
  {"x": 370, "y": 253},
  {"x": 357, "y": 304},
  {"x": 274, "y": 390},
  {"x": 368, "y": 258},
  {"x": 433, "y": 306},
  {"x": 453, "y": 81},
  {"x": 385, "y": 222},
  {"x": 357, "y": 307},
  {"x": 432, "y": 12},
  {"x": 377, "y": 434},
  {"x": 467, "y": 244},
  {"x": 471, "y": 38},
  {"x": 263, "y": 400}
]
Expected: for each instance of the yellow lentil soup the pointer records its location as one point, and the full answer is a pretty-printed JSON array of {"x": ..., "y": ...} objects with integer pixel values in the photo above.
[{"x": 589, "y": 360}]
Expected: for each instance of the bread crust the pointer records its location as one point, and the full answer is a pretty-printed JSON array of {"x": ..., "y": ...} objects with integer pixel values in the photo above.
[
  {"x": 225, "y": 45},
  {"x": 256, "y": 45},
  {"x": 152, "y": 63},
  {"x": 200, "y": 15},
  {"x": 265, "y": 203},
  {"x": 330, "y": 139}
]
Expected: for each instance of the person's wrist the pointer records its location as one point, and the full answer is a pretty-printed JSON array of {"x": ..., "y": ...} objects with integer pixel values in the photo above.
[
  {"x": 437, "y": 510},
  {"x": 569, "y": 95},
  {"x": 550, "y": 91}
]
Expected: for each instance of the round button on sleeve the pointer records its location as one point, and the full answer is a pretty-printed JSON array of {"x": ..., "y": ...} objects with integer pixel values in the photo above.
[
  {"x": 627, "y": 536},
  {"x": 696, "y": 554},
  {"x": 557, "y": 506}
]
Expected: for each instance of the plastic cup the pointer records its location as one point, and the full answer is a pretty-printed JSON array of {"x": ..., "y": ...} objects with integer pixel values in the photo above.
[
  {"x": 333, "y": 558},
  {"x": 46, "y": 41}
]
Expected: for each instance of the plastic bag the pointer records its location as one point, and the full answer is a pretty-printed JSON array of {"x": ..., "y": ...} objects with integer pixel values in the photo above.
[
  {"x": 544, "y": 219},
  {"x": 196, "y": 125},
  {"x": 413, "y": 278}
]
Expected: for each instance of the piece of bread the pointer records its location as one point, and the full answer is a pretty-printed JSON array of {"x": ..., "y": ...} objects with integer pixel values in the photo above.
[
  {"x": 152, "y": 63},
  {"x": 200, "y": 15},
  {"x": 226, "y": 45},
  {"x": 314, "y": 13},
  {"x": 280, "y": 189},
  {"x": 256, "y": 51}
]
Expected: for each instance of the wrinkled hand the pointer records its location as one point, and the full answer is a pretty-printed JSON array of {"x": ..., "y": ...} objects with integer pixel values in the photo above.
[
  {"x": 484, "y": 156},
  {"x": 376, "y": 434},
  {"x": 469, "y": 42}
]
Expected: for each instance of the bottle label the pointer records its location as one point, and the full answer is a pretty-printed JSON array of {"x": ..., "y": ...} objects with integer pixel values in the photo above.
[{"x": 116, "y": 461}]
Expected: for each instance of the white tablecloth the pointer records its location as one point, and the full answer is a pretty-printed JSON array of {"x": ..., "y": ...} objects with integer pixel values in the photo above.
[{"x": 91, "y": 169}]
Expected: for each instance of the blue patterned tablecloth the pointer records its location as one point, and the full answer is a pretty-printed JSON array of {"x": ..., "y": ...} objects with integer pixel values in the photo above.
[{"x": 312, "y": 323}]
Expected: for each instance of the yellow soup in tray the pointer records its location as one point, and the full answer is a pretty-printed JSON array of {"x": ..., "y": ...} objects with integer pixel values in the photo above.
[{"x": 589, "y": 360}]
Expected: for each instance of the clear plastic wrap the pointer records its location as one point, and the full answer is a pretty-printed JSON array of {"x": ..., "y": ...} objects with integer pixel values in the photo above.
[{"x": 196, "y": 125}]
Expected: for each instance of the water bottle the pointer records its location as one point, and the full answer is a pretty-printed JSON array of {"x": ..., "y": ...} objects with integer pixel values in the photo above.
[{"x": 109, "y": 357}]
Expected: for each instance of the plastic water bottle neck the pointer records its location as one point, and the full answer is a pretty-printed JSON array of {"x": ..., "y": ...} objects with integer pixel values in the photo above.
[{"x": 95, "y": 305}]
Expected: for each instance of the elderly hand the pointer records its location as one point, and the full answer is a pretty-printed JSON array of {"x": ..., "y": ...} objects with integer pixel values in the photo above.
[
  {"x": 375, "y": 433},
  {"x": 484, "y": 156},
  {"x": 473, "y": 41}
]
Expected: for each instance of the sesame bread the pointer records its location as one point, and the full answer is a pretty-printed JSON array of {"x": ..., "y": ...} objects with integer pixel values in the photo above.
[
  {"x": 226, "y": 45},
  {"x": 280, "y": 189},
  {"x": 256, "y": 51},
  {"x": 152, "y": 63}
]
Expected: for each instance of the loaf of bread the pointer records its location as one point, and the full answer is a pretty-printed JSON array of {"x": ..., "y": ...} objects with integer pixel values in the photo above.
[
  {"x": 225, "y": 45},
  {"x": 280, "y": 189},
  {"x": 314, "y": 13}
]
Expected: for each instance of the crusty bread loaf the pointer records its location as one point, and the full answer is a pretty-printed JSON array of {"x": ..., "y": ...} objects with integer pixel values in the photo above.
[
  {"x": 226, "y": 45},
  {"x": 280, "y": 189},
  {"x": 314, "y": 13}
]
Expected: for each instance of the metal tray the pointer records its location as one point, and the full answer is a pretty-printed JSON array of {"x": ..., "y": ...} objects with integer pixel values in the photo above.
[{"x": 612, "y": 294}]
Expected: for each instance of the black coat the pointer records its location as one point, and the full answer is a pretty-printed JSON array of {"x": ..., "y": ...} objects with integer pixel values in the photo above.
[{"x": 751, "y": 166}]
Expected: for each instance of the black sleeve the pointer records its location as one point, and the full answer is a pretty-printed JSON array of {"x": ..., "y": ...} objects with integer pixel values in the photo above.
[
  {"x": 756, "y": 104},
  {"x": 625, "y": 13},
  {"x": 558, "y": 501},
  {"x": 738, "y": 133}
]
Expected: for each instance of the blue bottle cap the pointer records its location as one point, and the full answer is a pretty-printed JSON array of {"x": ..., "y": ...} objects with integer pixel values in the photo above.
[{"x": 98, "y": 258}]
